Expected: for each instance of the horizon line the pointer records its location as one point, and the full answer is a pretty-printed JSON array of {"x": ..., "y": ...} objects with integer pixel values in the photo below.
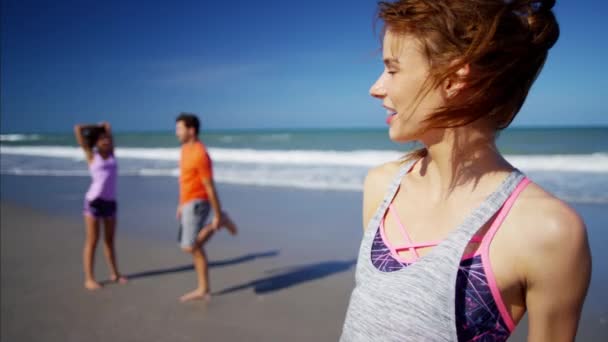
[{"x": 299, "y": 129}]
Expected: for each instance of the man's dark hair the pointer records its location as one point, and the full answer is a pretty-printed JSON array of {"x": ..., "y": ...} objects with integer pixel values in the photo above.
[{"x": 190, "y": 120}]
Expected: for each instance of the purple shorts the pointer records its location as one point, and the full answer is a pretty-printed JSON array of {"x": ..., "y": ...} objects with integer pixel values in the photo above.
[{"x": 100, "y": 208}]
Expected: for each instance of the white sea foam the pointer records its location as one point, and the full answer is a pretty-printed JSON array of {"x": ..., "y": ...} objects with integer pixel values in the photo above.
[
  {"x": 578, "y": 178},
  {"x": 19, "y": 137},
  {"x": 591, "y": 163}
]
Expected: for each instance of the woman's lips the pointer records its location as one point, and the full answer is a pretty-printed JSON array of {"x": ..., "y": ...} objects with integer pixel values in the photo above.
[{"x": 391, "y": 115}]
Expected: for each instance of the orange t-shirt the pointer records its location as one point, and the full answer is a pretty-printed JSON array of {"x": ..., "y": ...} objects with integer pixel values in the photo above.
[{"x": 195, "y": 166}]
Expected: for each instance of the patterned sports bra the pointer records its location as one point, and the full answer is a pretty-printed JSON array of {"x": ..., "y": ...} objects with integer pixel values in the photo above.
[{"x": 480, "y": 312}]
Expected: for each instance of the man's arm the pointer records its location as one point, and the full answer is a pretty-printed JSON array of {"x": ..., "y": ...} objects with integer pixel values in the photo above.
[
  {"x": 557, "y": 277},
  {"x": 214, "y": 200}
]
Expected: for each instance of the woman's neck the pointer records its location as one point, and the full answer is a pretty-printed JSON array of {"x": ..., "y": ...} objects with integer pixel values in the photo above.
[
  {"x": 104, "y": 154},
  {"x": 460, "y": 158}
]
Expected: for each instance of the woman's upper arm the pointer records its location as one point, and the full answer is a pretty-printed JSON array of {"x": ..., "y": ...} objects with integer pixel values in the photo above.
[{"x": 557, "y": 277}]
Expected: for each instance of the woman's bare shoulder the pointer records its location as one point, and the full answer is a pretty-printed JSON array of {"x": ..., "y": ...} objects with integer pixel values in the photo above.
[
  {"x": 376, "y": 185},
  {"x": 548, "y": 227},
  {"x": 379, "y": 177},
  {"x": 550, "y": 214},
  {"x": 552, "y": 255}
]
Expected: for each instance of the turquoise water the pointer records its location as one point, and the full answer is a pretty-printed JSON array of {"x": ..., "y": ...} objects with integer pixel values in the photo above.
[
  {"x": 570, "y": 162},
  {"x": 511, "y": 141}
]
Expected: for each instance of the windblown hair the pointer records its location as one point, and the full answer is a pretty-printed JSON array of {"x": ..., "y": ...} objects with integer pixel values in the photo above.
[{"x": 504, "y": 42}]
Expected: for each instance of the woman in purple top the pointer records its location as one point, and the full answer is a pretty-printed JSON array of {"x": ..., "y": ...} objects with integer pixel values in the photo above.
[{"x": 100, "y": 199}]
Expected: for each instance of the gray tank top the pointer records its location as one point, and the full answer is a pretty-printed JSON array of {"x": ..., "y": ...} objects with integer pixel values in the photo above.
[{"x": 416, "y": 303}]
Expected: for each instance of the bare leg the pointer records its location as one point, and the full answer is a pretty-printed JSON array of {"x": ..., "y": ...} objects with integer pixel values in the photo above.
[
  {"x": 204, "y": 235},
  {"x": 228, "y": 223},
  {"x": 110, "y": 251},
  {"x": 88, "y": 255},
  {"x": 199, "y": 257}
]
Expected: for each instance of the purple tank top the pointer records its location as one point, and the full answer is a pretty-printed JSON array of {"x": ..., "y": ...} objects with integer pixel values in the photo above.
[{"x": 103, "y": 175}]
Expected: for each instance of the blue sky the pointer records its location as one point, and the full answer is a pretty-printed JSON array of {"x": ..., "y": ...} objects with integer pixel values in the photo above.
[{"x": 243, "y": 64}]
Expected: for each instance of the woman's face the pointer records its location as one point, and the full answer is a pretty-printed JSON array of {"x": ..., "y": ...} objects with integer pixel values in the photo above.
[
  {"x": 406, "y": 69},
  {"x": 104, "y": 142}
]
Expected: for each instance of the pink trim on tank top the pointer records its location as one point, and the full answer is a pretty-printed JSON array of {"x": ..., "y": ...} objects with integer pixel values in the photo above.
[
  {"x": 406, "y": 236},
  {"x": 485, "y": 254},
  {"x": 483, "y": 249},
  {"x": 413, "y": 246}
]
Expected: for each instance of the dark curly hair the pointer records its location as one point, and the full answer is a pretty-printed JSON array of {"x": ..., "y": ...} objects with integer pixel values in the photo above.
[{"x": 92, "y": 134}]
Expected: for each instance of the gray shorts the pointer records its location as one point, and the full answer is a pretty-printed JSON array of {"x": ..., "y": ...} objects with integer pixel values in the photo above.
[{"x": 193, "y": 219}]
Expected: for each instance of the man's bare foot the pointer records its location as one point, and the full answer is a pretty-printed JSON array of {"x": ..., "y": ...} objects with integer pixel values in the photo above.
[
  {"x": 122, "y": 280},
  {"x": 92, "y": 285},
  {"x": 195, "y": 295},
  {"x": 227, "y": 222}
]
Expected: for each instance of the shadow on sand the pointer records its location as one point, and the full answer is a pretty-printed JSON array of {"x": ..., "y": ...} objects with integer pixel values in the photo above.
[
  {"x": 292, "y": 276},
  {"x": 212, "y": 264}
]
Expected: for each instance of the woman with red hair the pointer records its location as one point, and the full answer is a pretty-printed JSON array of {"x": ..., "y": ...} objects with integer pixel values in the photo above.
[{"x": 458, "y": 243}]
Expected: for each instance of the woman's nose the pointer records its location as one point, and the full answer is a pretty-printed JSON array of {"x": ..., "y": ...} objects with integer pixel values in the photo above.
[{"x": 377, "y": 90}]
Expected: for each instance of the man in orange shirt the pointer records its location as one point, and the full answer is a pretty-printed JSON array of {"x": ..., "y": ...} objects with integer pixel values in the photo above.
[{"x": 197, "y": 197}]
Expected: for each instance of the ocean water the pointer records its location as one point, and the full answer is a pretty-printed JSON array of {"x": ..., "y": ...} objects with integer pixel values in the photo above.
[{"x": 570, "y": 162}]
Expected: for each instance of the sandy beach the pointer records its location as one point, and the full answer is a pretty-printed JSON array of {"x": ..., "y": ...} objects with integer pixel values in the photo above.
[
  {"x": 286, "y": 277},
  {"x": 295, "y": 102},
  {"x": 283, "y": 287}
]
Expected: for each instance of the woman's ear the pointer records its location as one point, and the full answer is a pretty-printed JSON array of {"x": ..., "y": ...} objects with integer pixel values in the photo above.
[{"x": 454, "y": 84}]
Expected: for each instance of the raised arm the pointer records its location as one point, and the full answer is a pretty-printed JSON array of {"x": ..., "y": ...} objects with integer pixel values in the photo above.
[
  {"x": 108, "y": 129},
  {"x": 82, "y": 142}
]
